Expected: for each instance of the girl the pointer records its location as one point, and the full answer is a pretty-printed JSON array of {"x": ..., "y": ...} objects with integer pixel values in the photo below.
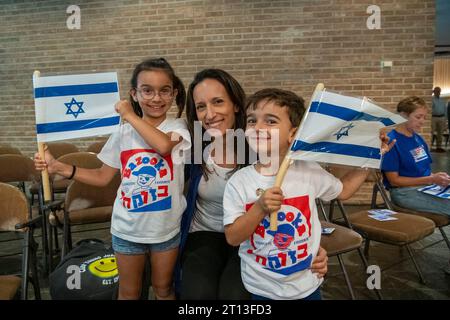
[{"x": 147, "y": 211}]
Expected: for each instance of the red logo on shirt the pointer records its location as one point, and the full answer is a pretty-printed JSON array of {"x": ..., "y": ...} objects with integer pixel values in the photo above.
[
  {"x": 146, "y": 176},
  {"x": 284, "y": 251}
]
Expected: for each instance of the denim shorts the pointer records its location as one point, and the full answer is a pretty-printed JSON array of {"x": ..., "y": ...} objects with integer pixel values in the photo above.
[{"x": 123, "y": 246}]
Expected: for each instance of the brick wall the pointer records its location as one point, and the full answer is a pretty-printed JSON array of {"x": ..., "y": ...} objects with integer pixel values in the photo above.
[{"x": 288, "y": 44}]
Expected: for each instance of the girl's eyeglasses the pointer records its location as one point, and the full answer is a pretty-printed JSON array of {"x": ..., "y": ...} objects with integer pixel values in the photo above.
[{"x": 149, "y": 93}]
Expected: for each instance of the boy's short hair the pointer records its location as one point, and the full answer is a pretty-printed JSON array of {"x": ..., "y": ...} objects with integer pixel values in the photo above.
[{"x": 282, "y": 98}]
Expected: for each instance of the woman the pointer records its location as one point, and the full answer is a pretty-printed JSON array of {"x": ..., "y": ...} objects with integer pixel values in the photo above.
[
  {"x": 211, "y": 267},
  {"x": 407, "y": 166}
]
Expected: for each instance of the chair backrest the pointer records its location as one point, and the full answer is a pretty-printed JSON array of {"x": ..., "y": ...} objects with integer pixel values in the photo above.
[
  {"x": 9, "y": 150},
  {"x": 96, "y": 147},
  {"x": 82, "y": 196},
  {"x": 17, "y": 168},
  {"x": 13, "y": 207},
  {"x": 82, "y": 159},
  {"x": 379, "y": 187},
  {"x": 58, "y": 149}
]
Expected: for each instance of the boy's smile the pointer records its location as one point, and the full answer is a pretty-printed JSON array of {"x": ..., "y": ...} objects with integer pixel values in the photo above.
[{"x": 269, "y": 130}]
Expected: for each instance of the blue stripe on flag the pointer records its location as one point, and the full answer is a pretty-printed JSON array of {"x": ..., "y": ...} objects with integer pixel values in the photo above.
[
  {"x": 338, "y": 148},
  {"x": 73, "y": 90},
  {"x": 76, "y": 125},
  {"x": 346, "y": 113},
  {"x": 445, "y": 190}
]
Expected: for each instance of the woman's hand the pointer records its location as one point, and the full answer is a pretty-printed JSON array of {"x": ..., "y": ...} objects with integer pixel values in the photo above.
[
  {"x": 125, "y": 109},
  {"x": 440, "y": 178},
  {"x": 385, "y": 145},
  {"x": 49, "y": 163},
  {"x": 320, "y": 263}
]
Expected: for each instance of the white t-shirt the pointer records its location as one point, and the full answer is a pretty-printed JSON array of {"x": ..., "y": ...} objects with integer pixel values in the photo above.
[
  {"x": 209, "y": 204},
  {"x": 276, "y": 264},
  {"x": 150, "y": 200}
]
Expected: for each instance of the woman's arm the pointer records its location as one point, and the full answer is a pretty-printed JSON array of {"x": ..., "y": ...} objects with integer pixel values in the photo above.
[
  {"x": 320, "y": 263},
  {"x": 162, "y": 143},
  {"x": 439, "y": 178}
]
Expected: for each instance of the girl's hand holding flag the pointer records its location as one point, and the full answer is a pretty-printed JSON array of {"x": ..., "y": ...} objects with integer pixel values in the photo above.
[{"x": 125, "y": 110}]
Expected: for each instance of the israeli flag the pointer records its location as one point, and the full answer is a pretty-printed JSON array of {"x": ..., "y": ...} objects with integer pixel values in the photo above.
[
  {"x": 75, "y": 106},
  {"x": 344, "y": 130}
]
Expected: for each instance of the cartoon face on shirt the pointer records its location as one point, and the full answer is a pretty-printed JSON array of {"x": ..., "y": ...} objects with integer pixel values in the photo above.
[
  {"x": 283, "y": 237},
  {"x": 145, "y": 176},
  {"x": 145, "y": 180}
]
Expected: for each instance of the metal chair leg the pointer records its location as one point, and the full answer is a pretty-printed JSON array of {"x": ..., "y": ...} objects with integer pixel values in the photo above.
[
  {"x": 45, "y": 251},
  {"x": 373, "y": 202},
  {"x": 50, "y": 248},
  {"x": 366, "y": 248},
  {"x": 34, "y": 269},
  {"x": 347, "y": 279},
  {"x": 331, "y": 210},
  {"x": 56, "y": 238},
  {"x": 25, "y": 265},
  {"x": 441, "y": 229},
  {"x": 67, "y": 236},
  {"x": 422, "y": 280}
]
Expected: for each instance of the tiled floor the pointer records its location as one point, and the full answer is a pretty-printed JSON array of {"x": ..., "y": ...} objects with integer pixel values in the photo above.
[{"x": 399, "y": 279}]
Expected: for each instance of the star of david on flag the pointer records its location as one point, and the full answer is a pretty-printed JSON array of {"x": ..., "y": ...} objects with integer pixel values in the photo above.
[
  {"x": 75, "y": 106},
  {"x": 342, "y": 129}
]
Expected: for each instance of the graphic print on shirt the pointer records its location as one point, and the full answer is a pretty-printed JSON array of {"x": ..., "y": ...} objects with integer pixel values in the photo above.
[
  {"x": 146, "y": 176},
  {"x": 284, "y": 251},
  {"x": 419, "y": 154}
]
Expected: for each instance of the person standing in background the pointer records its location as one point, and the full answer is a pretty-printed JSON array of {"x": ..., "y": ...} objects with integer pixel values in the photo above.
[{"x": 438, "y": 118}]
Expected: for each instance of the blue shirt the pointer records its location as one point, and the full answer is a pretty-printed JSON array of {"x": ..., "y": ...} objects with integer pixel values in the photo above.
[{"x": 409, "y": 157}]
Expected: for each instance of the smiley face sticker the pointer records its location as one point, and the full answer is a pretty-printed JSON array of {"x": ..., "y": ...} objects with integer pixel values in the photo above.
[{"x": 105, "y": 267}]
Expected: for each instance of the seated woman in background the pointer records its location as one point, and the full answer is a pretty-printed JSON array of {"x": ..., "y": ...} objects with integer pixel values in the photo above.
[{"x": 407, "y": 166}]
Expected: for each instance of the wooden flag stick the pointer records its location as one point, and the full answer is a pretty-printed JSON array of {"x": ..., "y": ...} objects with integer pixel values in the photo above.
[
  {"x": 41, "y": 150},
  {"x": 287, "y": 162}
]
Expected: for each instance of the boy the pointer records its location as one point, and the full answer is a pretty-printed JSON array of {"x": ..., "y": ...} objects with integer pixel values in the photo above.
[{"x": 276, "y": 264}]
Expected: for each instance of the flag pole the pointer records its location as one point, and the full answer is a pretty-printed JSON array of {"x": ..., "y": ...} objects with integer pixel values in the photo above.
[
  {"x": 41, "y": 150},
  {"x": 287, "y": 162}
]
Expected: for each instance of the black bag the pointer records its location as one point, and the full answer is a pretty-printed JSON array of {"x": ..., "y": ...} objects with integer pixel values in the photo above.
[{"x": 87, "y": 272}]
